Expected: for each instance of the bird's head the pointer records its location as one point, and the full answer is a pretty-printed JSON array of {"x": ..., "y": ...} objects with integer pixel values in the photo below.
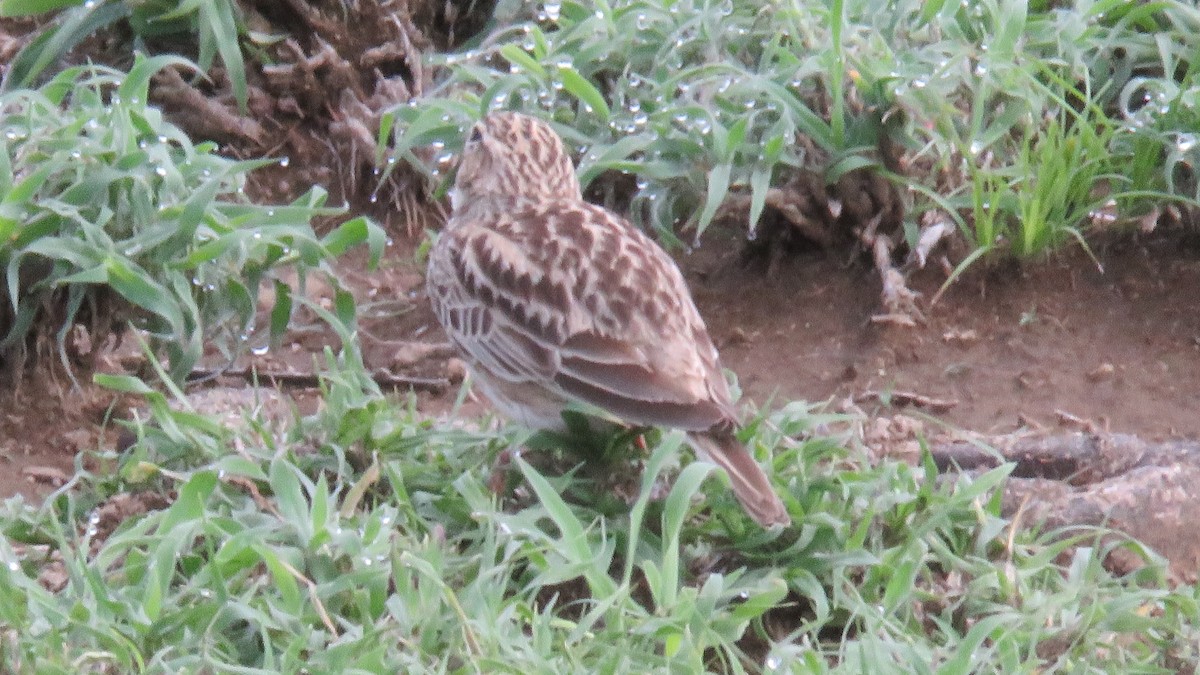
[{"x": 508, "y": 154}]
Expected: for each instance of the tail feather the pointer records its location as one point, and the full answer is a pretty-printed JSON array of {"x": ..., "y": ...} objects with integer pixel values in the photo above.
[{"x": 750, "y": 485}]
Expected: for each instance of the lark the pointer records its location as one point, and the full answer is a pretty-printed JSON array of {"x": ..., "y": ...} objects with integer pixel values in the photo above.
[{"x": 554, "y": 302}]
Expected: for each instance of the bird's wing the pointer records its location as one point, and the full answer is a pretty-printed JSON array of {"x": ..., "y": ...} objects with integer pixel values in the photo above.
[
  {"x": 579, "y": 299},
  {"x": 469, "y": 310}
]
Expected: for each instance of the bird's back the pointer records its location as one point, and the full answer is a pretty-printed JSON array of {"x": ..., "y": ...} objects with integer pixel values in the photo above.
[{"x": 570, "y": 296}]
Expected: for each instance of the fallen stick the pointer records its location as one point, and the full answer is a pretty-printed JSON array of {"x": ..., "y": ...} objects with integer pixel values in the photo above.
[
  {"x": 907, "y": 398},
  {"x": 383, "y": 378}
]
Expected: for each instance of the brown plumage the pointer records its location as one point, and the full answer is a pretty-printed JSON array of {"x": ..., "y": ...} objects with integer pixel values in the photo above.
[{"x": 551, "y": 300}]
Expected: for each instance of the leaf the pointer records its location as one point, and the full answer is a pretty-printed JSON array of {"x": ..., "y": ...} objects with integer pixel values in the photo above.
[
  {"x": 197, "y": 205},
  {"x": 737, "y": 134},
  {"x": 902, "y": 579},
  {"x": 356, "y": 492},
  {"x": 969, "y": 651},
  {"x": 718, "y": 187},
  {"x": 233, "y": 465},
  {"x": 762, "y": 602},
  {"x": 667, "y": 449},
  {"x": 578, "y": 86},
  {"x": 181, "y": 11},
  {"x": 219, "y": 15},
  {"x": 91, "y": 275},
  {"x": 13, "y": 8},
  {"x": 687, "y": 484},
  {"x": 293, "y": 507},
  {"x": 930, "y": 9},
  {"x": 24, "y": 190},
  {"x": 319, "y": 513},
  {"x": 568, "y": 524},
  {"x": 610, "y": 157},
  {"x": 281, "y": 313},
  {"x": 285, "y": 581},
  {"x": 126, "y": 383},
  {"x": 354, "y": 232},
  {"x": 518, "y": 56},
  {"x": 140, "y": 289},
  {"x": 343, "y": 305},
  {"x": 845, "y": 165},
  {"x": 55, "y": 42},
  {"x": 136, "y": 84},
  {"x": 573, "y": 540},
  {"x": 760, "y": 183},
  {"x": 189, "y": 505}
]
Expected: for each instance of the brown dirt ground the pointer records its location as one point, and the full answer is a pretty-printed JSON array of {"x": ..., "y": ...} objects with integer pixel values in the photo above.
[
  {"x": 1054, "y": 344},
  {"x": 1005, "y": 348}
]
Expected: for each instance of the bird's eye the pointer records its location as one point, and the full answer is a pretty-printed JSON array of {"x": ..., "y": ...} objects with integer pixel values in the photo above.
[{"x": 476, "y": 136}]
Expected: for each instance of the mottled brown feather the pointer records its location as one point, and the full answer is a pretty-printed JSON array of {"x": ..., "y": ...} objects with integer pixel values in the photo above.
[{"x": 552, "y": 300}]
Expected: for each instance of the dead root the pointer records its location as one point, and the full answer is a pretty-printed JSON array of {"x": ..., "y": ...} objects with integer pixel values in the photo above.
[
  {"x": 204, "y": 117},
  {"x": 907, "y": 399},
  {"x": 317, "y": 96},
  {"x": 862, "y": 210},
  {"x": 312, "y": 379}
]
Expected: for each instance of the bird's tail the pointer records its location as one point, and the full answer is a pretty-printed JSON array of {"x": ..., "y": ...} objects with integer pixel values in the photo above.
[{"x": 750, "y": 485}]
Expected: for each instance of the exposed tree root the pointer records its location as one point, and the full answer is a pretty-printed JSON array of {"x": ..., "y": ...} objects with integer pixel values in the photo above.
[
  {"x": 202, "y": 116},
  {"x": 1116, "y": 481}
]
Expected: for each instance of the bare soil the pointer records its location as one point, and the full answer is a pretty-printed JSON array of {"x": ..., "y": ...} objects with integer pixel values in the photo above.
[{"x": 1037, "y": 346}]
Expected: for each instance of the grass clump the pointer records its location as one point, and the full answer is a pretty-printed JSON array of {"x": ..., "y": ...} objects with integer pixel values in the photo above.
[
  {"x": 978, "y": 109},
  {"x": 364, "y": 539},
  {"x": 110, "y": 214},
  {"x": 215, "y": 25},
  {"x": 694, "y": 98}
]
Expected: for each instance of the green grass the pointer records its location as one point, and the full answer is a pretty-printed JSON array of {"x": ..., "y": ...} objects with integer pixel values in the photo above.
[
  {"x": 700, "y": 99},
  {"x": 364, "y": 539},
  {"x": 110, "y": 214},
  {"x": 214, "y": 25}
]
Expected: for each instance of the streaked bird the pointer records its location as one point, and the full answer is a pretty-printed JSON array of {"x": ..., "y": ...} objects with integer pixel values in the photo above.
[{"x": 553, "y": 301}]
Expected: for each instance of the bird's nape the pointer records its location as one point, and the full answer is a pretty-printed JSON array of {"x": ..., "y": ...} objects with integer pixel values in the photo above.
[{"x": 513, "y": 155}]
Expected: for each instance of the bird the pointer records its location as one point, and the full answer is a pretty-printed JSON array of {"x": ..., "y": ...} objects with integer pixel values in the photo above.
[{"x": 554, "y": 302}]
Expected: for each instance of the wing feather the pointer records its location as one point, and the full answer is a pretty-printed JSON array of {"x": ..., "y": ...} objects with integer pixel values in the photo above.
[{"x": 581, "y": 301}]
